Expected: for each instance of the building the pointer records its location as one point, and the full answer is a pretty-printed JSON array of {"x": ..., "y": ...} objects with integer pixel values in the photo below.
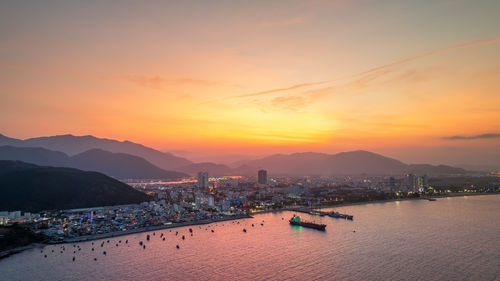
[
  {"x": 411, "y": 183},
  {"x": 262, "y": 175},
  {"x": 203, "y": 179}
]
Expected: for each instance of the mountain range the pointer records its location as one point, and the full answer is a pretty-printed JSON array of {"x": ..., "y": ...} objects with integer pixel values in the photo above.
[
  {"x": 72, "y": 145},
  {"x": 117, "y": 165},
  {"x": 33, "y": 188},
  {"x": 111, "y": 157}
]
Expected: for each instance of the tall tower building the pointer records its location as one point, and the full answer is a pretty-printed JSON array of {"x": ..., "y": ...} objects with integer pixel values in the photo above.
[
  {"x": 203, "y": 179},
  {"x": 262, "y": 174}
]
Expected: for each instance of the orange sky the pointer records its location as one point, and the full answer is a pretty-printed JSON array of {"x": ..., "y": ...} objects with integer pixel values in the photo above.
[{"x": 257, "y": 78}]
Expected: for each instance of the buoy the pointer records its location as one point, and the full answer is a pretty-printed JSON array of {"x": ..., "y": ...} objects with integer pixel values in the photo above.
[
  {"x": 244, "y": 230},
  {"x": 104, "y": 253},
  {"x": 183, "y": 237},
  {"x": 92, "y": 249},
  {"x": 212, "y": 230},
  {"x": 45, "y": 255},
  {"x": 73, "y": 258},
  {"x": 177, "y": 246},
  {"x": 95, "y": 259},
  {"x": 163, "y": 238}
]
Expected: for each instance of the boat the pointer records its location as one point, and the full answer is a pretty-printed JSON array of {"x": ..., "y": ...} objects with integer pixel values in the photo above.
[
  {"x": 296, "y": 220},
  {"x": 431, "y": 199},
  {"x": 338, "y": 215}
]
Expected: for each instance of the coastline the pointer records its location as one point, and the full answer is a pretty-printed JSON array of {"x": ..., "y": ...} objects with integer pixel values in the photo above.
[
  {"x": 6, "y": 253},
  {"x": 150, "y": 228},
  {"x": 347, "y": 204}
]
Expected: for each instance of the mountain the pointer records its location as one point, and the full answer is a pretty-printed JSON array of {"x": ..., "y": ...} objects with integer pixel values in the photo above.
[
  {"x": 340, "y": 164},
  {"x": 345, "y": 163},
  {"x": 118, "y": 165},
  {"x": 33, "y": 188},
  {"x": 425, "y": 169},
  {"x": 35, "y": 155},
  {"x": 121, "y": 165},
  {"x": 213, "y": 169},
  {"x": 72, "y": 145}
]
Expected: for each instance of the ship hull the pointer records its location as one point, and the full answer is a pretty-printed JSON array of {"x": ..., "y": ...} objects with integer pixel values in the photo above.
[{"x": 309, "y": 225}]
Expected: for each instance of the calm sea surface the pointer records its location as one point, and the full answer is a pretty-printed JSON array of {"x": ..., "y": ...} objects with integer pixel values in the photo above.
[{"x": 449, "y": 239}]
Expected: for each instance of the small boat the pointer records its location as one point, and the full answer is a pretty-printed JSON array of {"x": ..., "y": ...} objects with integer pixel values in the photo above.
[
  {"x": 177, "y": 246},
  {"x": 244, "y": 230}
]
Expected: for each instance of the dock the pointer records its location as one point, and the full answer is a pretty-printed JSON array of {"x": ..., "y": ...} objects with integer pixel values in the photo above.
[{"x": 336, "y": 215}]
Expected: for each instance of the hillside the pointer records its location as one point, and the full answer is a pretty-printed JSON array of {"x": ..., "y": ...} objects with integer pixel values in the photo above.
[
  {"x": 121, "y": 165},
  {"x": 72, "y": 145},
  {"x": 118, "y": 165},
  {"x": 340, "y": 164},
  {"x": 28, "y": 187}
]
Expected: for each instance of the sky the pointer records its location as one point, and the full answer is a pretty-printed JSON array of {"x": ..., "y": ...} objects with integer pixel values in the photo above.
[{"x": 414, "y": 80}]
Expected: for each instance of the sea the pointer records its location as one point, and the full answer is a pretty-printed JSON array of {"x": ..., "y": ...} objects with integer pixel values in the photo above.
[{"x": 454, "y": 238}]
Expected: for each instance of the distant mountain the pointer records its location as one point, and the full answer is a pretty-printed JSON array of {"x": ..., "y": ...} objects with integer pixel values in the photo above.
[
  {"x": 344, "y": 163},
  {"x": 29, "y": 187},
  {"x": 118, "y": 165},
  {"x": 35, "y": 155},
  {"x": 72, "y": 145},
  {"x": 425, "y": 169},
  {"x": 121, "y": 165},
  {"x": 213, "y": 169}
]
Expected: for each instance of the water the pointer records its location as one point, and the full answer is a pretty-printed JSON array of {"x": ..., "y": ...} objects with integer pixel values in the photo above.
[{"x": 450, "y": 239}]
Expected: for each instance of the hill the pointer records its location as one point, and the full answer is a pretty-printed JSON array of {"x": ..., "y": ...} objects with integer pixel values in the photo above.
[
  {"x": 28, "y": 187},
  {"x": 118, "y": 165},
  {"x": 340, "y": 164},
  {"x": 121, "y": 165},
  {"x": 345, "y": 163},
  {"x": 72, "y": 145}
]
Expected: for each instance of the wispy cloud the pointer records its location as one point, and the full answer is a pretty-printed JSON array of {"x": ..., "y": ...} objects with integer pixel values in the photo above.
[
  {"x": 475, "y": 137},
  {"x": 294, "y": 87},
  {"x": 158, "y": 82},
  {"x": 283, "y": 22},
  {"x": 379, "y": 70}
]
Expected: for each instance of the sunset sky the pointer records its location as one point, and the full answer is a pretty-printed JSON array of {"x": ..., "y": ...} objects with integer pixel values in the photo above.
[{"x": 414, "y": 80}]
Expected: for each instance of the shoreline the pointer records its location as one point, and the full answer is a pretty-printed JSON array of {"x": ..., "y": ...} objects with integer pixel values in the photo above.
[
  {"x": 147, "y": 229},
  {"x": 6, "y": 253},
  {"x": 347, "y": 204}
]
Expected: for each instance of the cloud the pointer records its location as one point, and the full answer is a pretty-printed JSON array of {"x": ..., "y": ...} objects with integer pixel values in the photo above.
[
  {"x": 298, "y": 86},
  {"x": 378, "y": 71},
  {"x": 158, "y": 82},
  {"x": 284, "y": 22},
  {"x": 475, "y": 137}
]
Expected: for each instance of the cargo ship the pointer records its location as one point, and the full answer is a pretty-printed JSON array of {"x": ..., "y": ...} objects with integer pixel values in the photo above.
[{"x": 296, "y": 220}]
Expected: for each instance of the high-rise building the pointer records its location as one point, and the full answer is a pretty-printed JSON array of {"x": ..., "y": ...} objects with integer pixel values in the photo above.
[
  {"x": 420, "y": 184},
  {"x": 203, "y": 179},
  {"x": 411, "y": 183},
  {"x": 262, "y": 174}
]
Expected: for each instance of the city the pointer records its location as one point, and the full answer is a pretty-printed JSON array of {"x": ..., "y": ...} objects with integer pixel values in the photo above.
[{"x": 212, "y": 199}]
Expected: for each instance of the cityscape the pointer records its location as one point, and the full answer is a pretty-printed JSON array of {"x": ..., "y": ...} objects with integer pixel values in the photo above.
[{"x": 249, "y": 140}]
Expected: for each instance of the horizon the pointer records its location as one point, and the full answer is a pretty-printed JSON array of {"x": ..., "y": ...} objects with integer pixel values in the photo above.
[
  {"x": 230, "y": 160},
  {"x": 412, "y": 81}
]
